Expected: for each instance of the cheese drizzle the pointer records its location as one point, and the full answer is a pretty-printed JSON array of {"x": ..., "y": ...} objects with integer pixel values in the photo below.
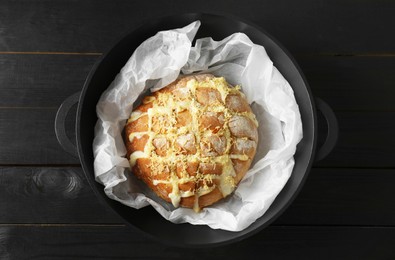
[{"x": 168, "y": 106}]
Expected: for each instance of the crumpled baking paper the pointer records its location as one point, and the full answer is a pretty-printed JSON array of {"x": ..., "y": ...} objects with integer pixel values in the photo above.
[{"x": 158, "y": 61}]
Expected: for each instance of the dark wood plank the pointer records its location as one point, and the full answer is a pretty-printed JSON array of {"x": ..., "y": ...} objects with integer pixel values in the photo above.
[
  {"x": 329, "y": 197},
  {"x": 92, "y": 26},
  {"x": 27, "y": 136},
  {"x": 366, "y": 139},
  {"x": 50, "y": 195},
  {"x": 41, "y": 80},
  {"x": 352, "y": 83},
  {"x": 67, "y": 242},
  {"x": 346, "y": 83},
  {"x": 344, "y": 197},
  {"x": 351, "y": 86}
]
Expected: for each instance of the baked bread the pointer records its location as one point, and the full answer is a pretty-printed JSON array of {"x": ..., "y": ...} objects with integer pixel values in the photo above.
[{"x": 192, "y": 141}]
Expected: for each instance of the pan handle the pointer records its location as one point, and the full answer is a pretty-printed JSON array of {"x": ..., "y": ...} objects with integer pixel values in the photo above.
[
  {"x": 60, "y": 120},
  {"x": 333, "y": 129}
]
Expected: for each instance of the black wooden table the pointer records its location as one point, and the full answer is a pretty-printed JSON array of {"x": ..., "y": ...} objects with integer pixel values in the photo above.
[{"x": 346, "y": 209}]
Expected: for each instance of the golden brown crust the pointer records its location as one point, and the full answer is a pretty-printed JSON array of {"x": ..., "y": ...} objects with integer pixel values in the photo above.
[{"x": 192, "y": 141}]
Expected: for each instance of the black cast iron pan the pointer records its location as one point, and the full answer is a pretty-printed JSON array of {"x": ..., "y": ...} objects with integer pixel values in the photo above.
[{"x": 217, "y": 27}]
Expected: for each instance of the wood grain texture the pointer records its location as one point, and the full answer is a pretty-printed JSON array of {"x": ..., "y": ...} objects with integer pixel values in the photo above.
[
  {"x": 41, "y": 80},
  {"x": 27, "y": 136},
  {"x": 91, "y": 26},
  {"x": 49, "y": 195},
  {"x": 69, "y": 242},
  {"x": 337, "y": 196},
  {"x": 366, "y": 139},
  {"x": 351, "y": 86},
  {"x": 330, "y": 197},
  {"x": 346, "y": 83},
  {"x": 352, "y": 83}
]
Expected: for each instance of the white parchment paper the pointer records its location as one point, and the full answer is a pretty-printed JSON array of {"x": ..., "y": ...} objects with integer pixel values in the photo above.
[{"x": 160, "y": 60}]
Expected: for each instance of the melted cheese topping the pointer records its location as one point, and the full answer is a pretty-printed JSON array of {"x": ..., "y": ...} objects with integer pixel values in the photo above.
[{"x": 165, "y": 109}]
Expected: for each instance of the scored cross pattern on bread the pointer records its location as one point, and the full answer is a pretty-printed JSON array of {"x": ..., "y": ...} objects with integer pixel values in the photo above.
[{"x": 192, "y": 141}]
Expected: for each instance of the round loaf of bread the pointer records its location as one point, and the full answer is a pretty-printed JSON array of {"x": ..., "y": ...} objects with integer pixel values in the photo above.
[{"x": 192, "y": 141}]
